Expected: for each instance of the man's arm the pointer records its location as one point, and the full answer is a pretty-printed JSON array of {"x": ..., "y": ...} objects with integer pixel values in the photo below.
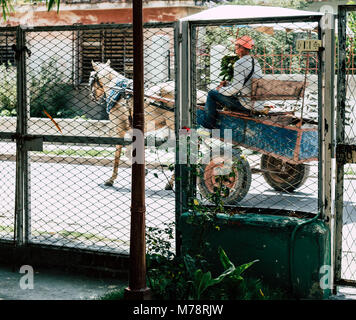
[{"x": 239, "y": 78}]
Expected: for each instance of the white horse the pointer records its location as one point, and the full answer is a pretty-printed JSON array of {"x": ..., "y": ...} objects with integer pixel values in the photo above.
[{"x": 107, "y": 83}]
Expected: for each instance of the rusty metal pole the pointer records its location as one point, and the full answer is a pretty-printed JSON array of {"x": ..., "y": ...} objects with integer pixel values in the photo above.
[{"x": 137, "y": 289}]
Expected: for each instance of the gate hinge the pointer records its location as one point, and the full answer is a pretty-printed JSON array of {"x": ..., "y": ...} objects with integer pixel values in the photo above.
[
  {"x": 29, "y": 142},
  {"x": 345, "y": 153},
  {"x": 18, "y": 51}
]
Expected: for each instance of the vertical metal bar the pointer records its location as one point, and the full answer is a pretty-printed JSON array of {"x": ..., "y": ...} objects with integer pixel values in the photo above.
[
  {"x": 184, "y": 98},
  {"x": 21, "y": 129},
  {"x": 26, "y": 166},
  {"x": 192, "y": 107},
  {"x": 169, "y": 64},
  {"x": 327, "y": 112},
  {"x": 182, "y": 118},
  {"x": 185, "y": 75},
  {"x": 320, "y": 125},
  {"x": 327, "y": 122},
  {"x": 340, "y": 137},
  {"x": 137, "y": 289},
  {"x": 177, "y": 115}
]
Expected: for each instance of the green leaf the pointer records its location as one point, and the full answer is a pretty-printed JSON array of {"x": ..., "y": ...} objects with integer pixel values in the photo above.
[
  {"x": 189, "y": 264},
  {"x": 51, "y": 3},
  {"x": 7, "y": 8},
  {"x": 227, "y": 67},
  {"x": 227, "y": 264},
  {"x": 225, "y": 261},
  {"x": 203, "y": 281},
  {"x": 240, "y": 269}
]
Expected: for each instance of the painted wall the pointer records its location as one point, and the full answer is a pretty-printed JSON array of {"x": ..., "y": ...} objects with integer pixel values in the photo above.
[{"x": 96, "y": 14}]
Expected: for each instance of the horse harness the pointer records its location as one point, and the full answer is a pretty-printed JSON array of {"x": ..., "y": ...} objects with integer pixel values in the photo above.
[
  {"x": 121, "y": 90},
  {"x": 116, "y": 93}
]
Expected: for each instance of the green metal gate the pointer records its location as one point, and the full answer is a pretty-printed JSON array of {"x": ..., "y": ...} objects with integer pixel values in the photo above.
[
  {"x": 53, "y": 188},
  {"x": 345, "y": 187}
]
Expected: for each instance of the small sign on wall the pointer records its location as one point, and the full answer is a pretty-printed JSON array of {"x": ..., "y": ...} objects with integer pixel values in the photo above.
[{"x": 309, "y": 45}]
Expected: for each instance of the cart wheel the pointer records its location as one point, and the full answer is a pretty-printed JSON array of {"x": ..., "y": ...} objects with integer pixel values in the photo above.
[
  {"x": 232, "y": 180},
  {"x": 283, "y": 176}
]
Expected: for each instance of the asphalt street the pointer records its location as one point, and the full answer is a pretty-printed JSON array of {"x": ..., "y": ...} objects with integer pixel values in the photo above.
[{"x": 70, "y": 206}]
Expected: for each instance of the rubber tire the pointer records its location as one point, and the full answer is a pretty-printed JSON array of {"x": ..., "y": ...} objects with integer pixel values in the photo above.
[
  {"x": 242, "y": 185},
  {"x": 285, "y": 182}
]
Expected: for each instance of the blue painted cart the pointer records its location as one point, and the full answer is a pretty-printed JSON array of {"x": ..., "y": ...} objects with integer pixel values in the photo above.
[{"x": 285, "y": 142}]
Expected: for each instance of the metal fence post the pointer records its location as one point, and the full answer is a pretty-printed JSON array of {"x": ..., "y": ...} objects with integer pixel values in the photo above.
[
  {"x": 340, "y": 137},
  {"x": 21, "y": 225},
  {"x": 137, "y": 289},
  {"x": 183, "y": 118},
  {"x": 327, "y": 112},
  {"x": 178, "y": 172},
  {"x": 327, "y": 120}
]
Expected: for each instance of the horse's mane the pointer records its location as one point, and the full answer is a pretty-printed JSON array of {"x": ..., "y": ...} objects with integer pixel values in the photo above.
[
  {"x": 105, "y": 73},
  {"x": 110, "y": 77}
]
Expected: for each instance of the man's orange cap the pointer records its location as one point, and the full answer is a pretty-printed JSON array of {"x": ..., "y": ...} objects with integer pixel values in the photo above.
[{"x": 245, "y": 41}]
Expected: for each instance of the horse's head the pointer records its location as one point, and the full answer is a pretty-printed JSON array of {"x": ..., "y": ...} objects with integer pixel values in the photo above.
[
  {"x": 118, "y": 90},
  {"x": 105, "y": 73},
  {"x": 97, "y": 91}
]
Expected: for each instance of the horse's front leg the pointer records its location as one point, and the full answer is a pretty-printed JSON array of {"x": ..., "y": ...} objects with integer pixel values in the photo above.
[
  {"x": 110, "y": 181},
  {"x": 170, "y": 184}
]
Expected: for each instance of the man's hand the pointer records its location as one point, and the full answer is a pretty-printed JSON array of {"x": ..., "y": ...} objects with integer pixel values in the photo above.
[{"x": 222, "y": 84}]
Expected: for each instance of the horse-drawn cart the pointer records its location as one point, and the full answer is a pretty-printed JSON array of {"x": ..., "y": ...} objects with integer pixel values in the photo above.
[{"x": 286, "y": 142}]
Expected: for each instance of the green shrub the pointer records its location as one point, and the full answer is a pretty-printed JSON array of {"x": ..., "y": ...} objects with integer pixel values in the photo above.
[
  {"x": 47, "y": 90},
  {"x": 189, "y": 276},
  {"x": 50, "y": 92},
  {"x": 7, "y": 90}
]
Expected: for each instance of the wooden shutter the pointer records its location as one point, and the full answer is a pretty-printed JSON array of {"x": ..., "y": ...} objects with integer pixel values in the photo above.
[
  {"x": 6, "y": 53},
  {"x": 101, "y": 45}
]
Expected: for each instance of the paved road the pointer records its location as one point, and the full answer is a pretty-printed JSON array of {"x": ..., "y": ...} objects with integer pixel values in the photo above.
[
  {"x": 52, "y": 284},
  {"x": 70, "y": 206}
]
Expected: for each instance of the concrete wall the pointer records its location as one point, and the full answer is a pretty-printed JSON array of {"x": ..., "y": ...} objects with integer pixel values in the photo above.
[
  {"x": 69, "y": 127},
  {"x": 100, "y": 12},
  {"x": 55, "y": 47}
]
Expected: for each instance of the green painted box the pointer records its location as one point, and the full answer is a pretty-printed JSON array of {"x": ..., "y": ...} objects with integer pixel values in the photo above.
[{"x": 290, "y": 257}]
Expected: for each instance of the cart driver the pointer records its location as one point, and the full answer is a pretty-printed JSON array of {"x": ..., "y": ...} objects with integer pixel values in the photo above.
[{"x": 235, "y": 95}]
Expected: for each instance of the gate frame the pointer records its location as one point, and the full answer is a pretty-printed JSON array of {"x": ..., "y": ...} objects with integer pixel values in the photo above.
[
  {"x": 186, "y": 96},
  {"x": 186, "y": 88},
  {"x": 20, "y": 250},
  {"x": 339, "y": 144}
]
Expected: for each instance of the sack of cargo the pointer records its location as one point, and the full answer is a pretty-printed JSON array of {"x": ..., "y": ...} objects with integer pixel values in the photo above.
[{"x": 265, "y": 89}]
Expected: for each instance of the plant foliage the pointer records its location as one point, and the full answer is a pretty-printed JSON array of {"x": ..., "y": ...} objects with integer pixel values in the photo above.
[
  {"x": 7, "y": 90},
  {"x": 7, "y": 6},
  {"x": 49, "y": 91}
]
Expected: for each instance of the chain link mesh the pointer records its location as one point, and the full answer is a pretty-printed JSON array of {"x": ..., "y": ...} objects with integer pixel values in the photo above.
[
  {"x": 74, "y": 199},
  {"x": 79, "y": 100},
  {"x": 348, "y": 258},
  {"x": 275, "y": 135},
  {"x": 7, "y": 124}
]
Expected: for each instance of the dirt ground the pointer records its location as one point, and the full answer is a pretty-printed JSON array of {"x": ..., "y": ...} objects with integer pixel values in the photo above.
[{"x": 53, "y": 285}]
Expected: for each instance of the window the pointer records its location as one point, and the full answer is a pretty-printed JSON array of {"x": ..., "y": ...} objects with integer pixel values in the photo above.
[
  {"x": 6, "y": 52},
  {"x": 101, "y": 45}
]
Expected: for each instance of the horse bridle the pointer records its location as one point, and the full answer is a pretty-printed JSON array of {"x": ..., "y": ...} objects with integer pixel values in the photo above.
[{"x": 93, "y": 78}]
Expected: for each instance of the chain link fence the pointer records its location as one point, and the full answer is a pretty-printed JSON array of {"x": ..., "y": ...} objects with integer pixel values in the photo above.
[
  {"x": 65, "y": 156},
  {"x": 76, "y": 160},
  {"x": 346, "y": 136},
  {"x": 275, "y": 135},
  {"x": 8, "y": 87}
]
